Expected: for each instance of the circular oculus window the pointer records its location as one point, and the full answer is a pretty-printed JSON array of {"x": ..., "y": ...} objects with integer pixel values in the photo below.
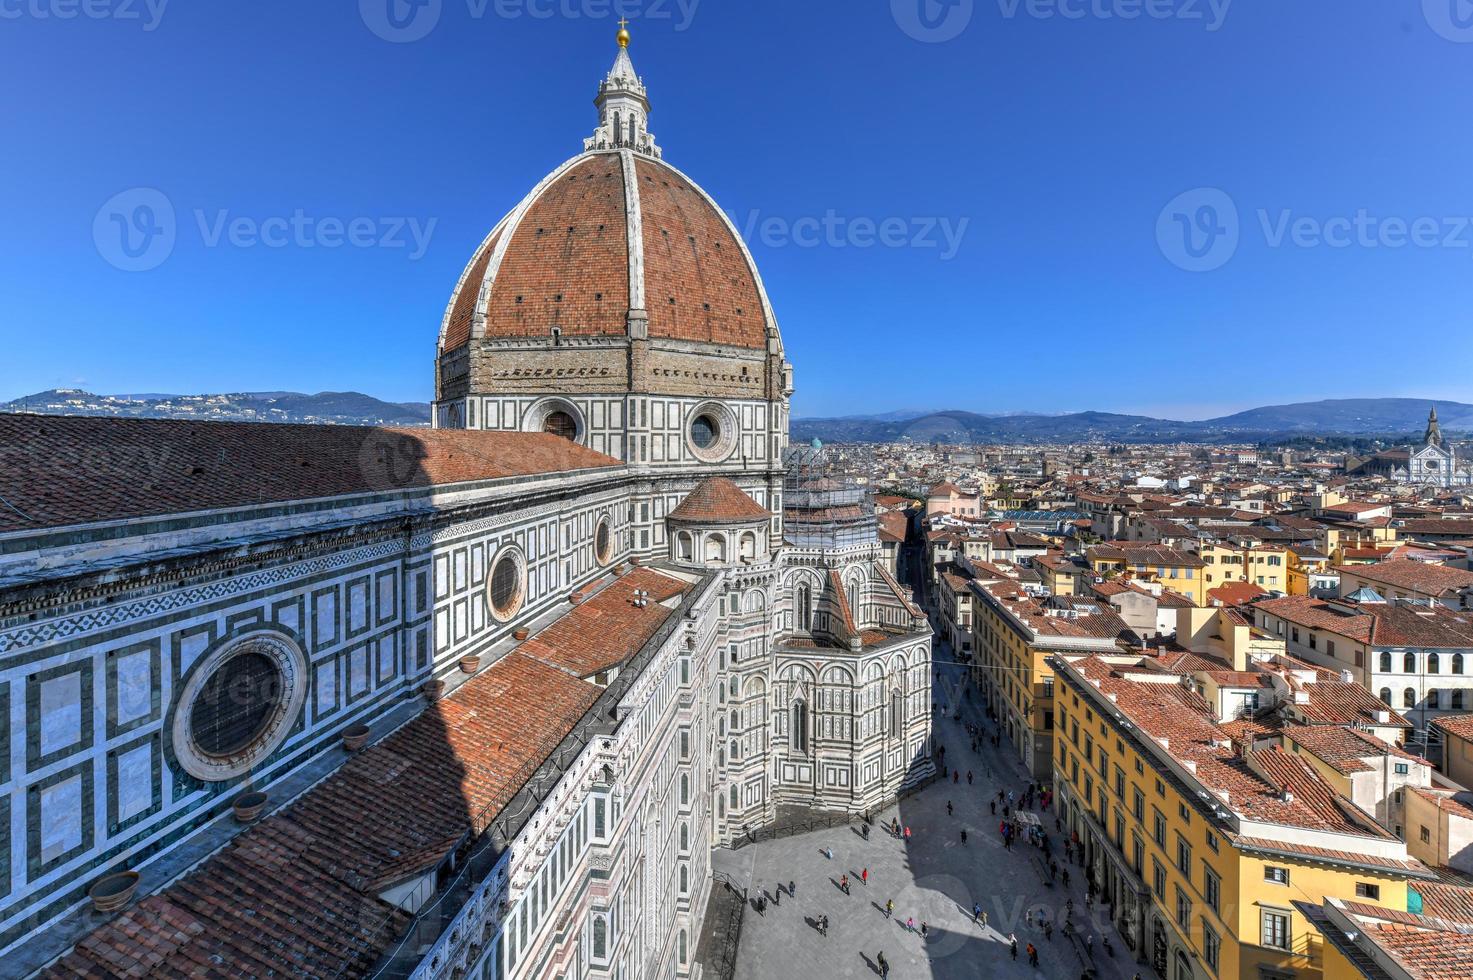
[
  {"x": 238, "y": 706},
  {"x": 603, "y": 543},
  {"x": 506, "y": 587},
  {"x": 712, "y": 432}
]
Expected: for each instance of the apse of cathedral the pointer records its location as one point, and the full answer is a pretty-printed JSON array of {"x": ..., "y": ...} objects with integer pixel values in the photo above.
[{"x": 471, "y": 701}]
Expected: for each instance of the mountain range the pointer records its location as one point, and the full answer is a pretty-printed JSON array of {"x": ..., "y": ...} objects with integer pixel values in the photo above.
[
  {"x": 325, "y": 407},
  {"x": 1390, "y": 417},
  {"x": 1335, "y": 417}
]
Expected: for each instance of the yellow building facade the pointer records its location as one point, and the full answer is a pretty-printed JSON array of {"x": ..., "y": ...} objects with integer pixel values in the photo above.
[{"x": 1196, "y": 888}]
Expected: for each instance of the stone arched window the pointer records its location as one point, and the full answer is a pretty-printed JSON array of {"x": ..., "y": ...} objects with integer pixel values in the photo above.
[
  {"x": 804, "y": 603},
  {"x": 1385, "y": 663},
  {"x": 685, "y": 547},
  {"x": 1434, "y": 664},
  {"x": 1457, "y": 700},
  {"x": 1409, "y": 698},
  {"x": 1409, "y": 663},
  {"x": 715, "y": 549},
  {"x": 749, "y": 546},
  {"x": 798, "y": 727},
  {"x": 1434, "y": 699},
  {"x": 1457, "y": 663},
  {"x": 1385, "y": 696}
]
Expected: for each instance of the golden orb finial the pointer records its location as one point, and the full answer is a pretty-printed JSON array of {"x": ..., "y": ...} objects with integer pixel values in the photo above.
[{"x": 623, "y": 32}]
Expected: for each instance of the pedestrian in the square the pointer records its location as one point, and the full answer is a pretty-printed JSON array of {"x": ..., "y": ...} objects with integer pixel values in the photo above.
[
  {"x": 993, "y": 804},
  {"x": 777, "y": 896},
  {"x": 976, "y": 911},
  {"x": 844, "y": 883},
  {"x": 864, "y": 876},
  {"x": 792, "y": 889},
  {"x": 910, "y": 923},
  {"x": 884, "y": 965},
  {"x": 1013, "y": 945},
  {"x": 969, "y": 777},
  {"x": 1032, "y": 955},
  {"x": 925, "y": 930},
  {"x": 1048, "y": 931},
  {"x": 889, "y": 907},
  {"x": 964, "y": 837},
  {"x": 948, "y": 808}
]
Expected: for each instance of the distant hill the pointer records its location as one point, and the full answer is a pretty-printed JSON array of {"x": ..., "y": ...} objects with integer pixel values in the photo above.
[
  {"x": 326, "y": 407},
  {"x": 1337, "y": 417}
]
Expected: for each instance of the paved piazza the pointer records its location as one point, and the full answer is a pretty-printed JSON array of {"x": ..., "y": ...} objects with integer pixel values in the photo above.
[{"x": 934, "y": 878}]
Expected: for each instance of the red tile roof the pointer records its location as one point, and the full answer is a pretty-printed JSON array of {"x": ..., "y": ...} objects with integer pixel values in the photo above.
[
  {"x": 297, "y": 893},
  {"x": 717, "y": 500},
  {"x": 1416, "y": 576},
  {"x": 59, "y": 471},
  {"x": 607, "y": 629},
  {"x": 566, "y": 264}
]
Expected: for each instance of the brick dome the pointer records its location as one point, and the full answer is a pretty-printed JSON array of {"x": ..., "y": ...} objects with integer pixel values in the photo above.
[{"x": 609, "y": 239}]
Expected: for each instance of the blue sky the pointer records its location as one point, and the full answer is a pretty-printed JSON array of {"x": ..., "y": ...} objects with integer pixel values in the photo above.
[{"x": 1206, "y": 206}]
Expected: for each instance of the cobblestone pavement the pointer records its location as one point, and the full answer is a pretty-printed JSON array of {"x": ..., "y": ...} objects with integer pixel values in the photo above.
[{"x": 934, "y": 878}]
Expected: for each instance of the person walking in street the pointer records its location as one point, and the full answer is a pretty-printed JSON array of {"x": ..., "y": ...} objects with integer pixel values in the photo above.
[
  {"x": 889, "y": 907},
  {"x": 1066, "y": 877},
  {"x": 1013, "y": 945},
  {"x": 792, "y": 889},
  {"x": 910, "y": 923},
  {"x": 976, "y": 911},
  {"x": 864, "y": 876},
  {"x": 1032, "y": 955},
  {"x": 969, "y": 777},
  {"x": 993, "y": 804},
  {"x": 1048, "y": 931},
  {"x": 777, "y": 896},
  {"x": 823, "y": 925},
  {"x": 884, "y": 965},
  {"x": 844, "y": 883},
  {"x": 964, "y": 837},
  {"x": 948, "y": 808},
  {"x": 907, "y": 834}
]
